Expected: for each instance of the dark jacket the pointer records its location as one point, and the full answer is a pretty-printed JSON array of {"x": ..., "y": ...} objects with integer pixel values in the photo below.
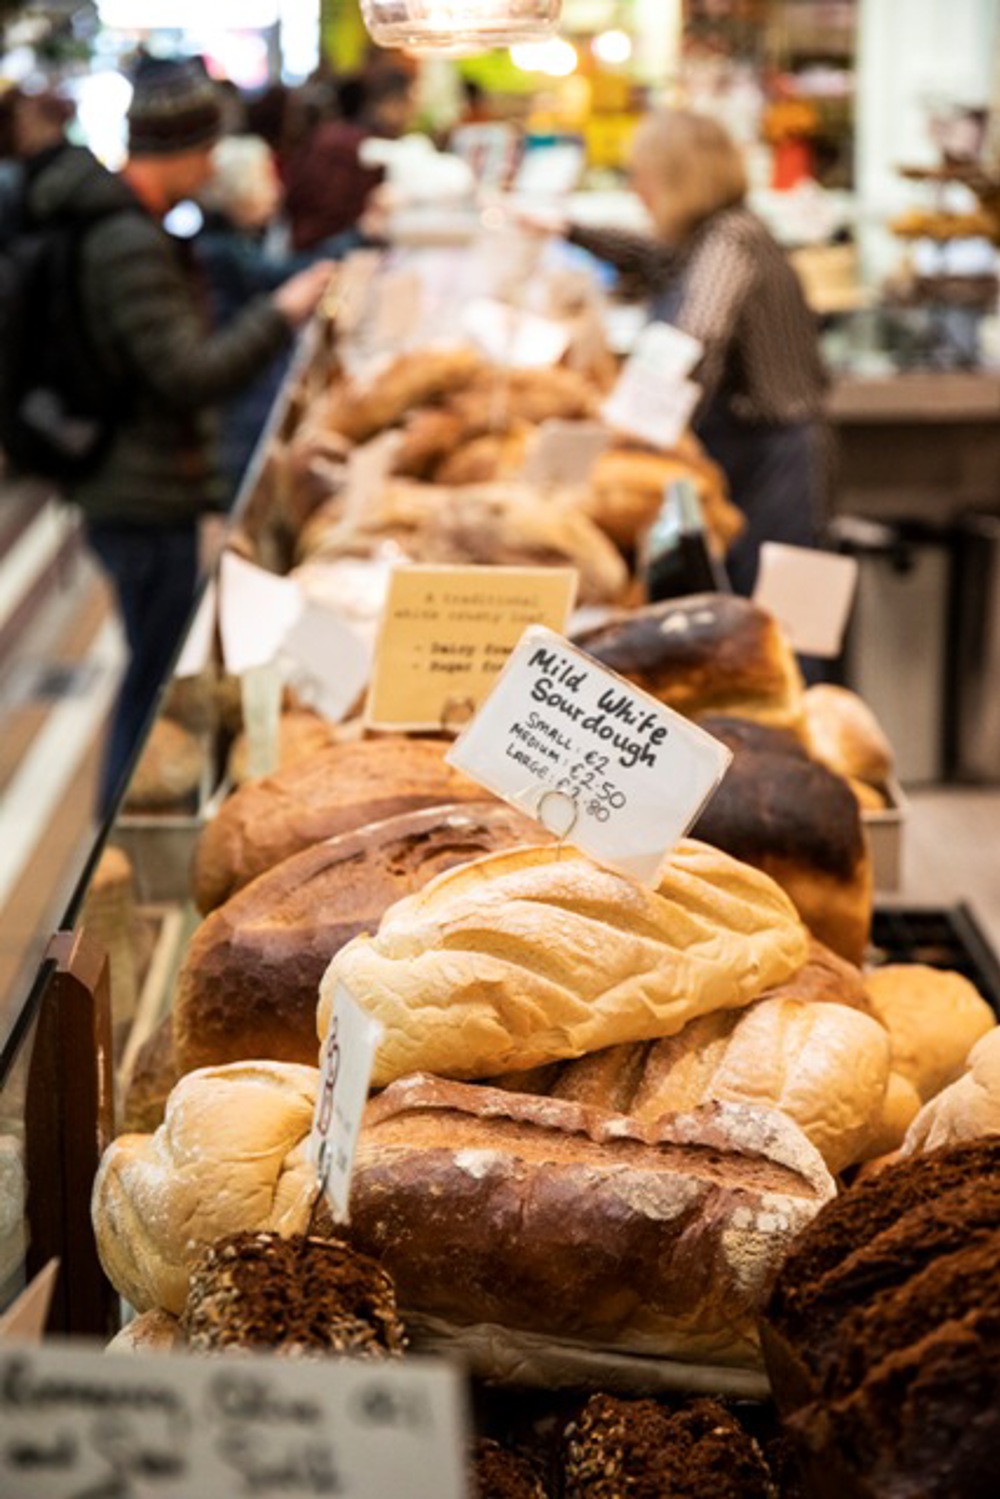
[
  {"x": 730, "y": 286},
  {"x": 143, "y": 316}
]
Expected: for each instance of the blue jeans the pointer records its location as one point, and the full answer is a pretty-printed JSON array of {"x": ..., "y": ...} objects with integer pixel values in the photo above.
[{"x": 154, "y": 571}]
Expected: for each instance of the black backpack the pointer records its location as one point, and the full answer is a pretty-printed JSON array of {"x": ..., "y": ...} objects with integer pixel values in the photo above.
[{"x": 59, "y": 408}]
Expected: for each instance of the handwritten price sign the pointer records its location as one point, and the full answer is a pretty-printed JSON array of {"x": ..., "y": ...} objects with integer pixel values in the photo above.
[
  {"x": 597, "y": 761},
  {"x": 345, "y": 1074}
]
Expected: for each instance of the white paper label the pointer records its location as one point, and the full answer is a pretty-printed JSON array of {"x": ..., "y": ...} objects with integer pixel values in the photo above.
[
  {"x": 809, "y": 593},
  {"x": 77, "y": 1422},
  {"x": 328, "y": 665},
  {"x": 196, "y": 652},
  {"x": 345, "y": 1075},
  {"x": 654, "y": 400},
  {"x": 261, "y": 690},
  {"x": 564, "y": 453},
  {"x": 510, "y": 336},
  {"x": 256, "y": 611},
  {"x": 598, "y": 762}
]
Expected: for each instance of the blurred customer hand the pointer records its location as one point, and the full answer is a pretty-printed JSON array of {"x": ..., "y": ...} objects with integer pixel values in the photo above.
[{"x": 298, "y": 299}]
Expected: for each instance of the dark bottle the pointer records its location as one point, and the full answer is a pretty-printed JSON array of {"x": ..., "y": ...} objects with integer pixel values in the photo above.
[{"x": 676, "y": 556}]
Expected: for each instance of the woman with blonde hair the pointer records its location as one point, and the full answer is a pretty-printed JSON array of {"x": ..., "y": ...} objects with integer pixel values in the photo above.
[{"x": 713, "y": 270}]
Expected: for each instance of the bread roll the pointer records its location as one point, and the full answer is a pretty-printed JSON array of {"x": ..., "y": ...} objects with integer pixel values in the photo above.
[
  {"x": 497, "y": 398},
  {"x": 933, "y": 1018},
  {"x": 627, "y": 489},
  {"x": 801, "y": 824},
  {"x": 966, "y": 1110},
  {"x": 250, "y": 982},
  {"x": 530, "y": 956},
  {"x": 360, "y": 411},
  {"x": 844, "y": 734},
  {"x": 488, "y": 1208},
  {"x": 823, "y": 1065},
  {"x": 427, "y": 440},
  {"x": 230, "y": 1155},
  {"x": 339, "y": 790},
  {"x": 708, "y": 653}
]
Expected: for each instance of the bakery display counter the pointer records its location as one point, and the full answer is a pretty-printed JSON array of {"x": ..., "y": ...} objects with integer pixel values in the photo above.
[{"x": 607, "y": 1117}]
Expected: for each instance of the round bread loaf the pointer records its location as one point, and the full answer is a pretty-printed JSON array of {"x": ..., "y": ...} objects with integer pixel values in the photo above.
[
  {"x": 708, "y": 653},
  {"x": 844, "y": 734},
  {"x": 934, "y": 1018},
  {"x": 338, "y": 790},
  {"x": 539, "y": 954},
  {"x": 969, "y": 1109},
  {"x": 229, "y": 1156},
  {"x": 169, "y": 771},
  {"x": 801, "y": 824},
  {"x": 250, "y": 981}
]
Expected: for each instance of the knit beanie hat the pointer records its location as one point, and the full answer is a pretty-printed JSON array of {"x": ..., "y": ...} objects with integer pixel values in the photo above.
[{"x": 175, "y": 107}]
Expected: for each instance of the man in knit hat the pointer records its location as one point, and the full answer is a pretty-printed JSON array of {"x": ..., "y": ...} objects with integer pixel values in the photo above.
[{"x": 143, "y": 499}]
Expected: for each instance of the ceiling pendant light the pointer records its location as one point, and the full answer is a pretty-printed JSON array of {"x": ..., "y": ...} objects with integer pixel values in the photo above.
[{"x": 458, "y": 26}]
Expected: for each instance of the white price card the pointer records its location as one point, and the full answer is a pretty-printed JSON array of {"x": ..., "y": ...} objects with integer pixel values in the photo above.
[
  {"x": 328, "y": 664},
  {"x": 599, "y": 763},
  {"x": 346, "y": 1063},
  {"x": 509, "y": 335},
  {"x": 564, "y": 454},
  {"x": 76, "y": 1422},
  {"x": 196, "y": 652},
  {"x": 654, "y": 400},
  {"x": 256, "y": 611},
  {"x": 809, "y": 593},
  {"x": 261, "y": 691}
]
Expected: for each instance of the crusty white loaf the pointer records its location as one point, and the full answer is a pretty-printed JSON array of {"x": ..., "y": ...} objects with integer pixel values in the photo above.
[
  {"x": 539, "y": 954},
  {"x": 966, "y": 1110},
  {"x": 230, "y": 1155},
  {"x": 824, "y": 1065},
  {"x": 534, "y": 1214}
]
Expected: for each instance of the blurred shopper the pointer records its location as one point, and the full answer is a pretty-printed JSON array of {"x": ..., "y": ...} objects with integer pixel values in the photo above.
[
  {"x": 143, "y": 499},
  {"x": 714, "y": 271},
  {"x": 327, "y": 183}
]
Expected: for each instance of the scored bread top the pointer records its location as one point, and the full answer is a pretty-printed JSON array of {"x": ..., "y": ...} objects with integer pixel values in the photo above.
[{"x": 539, "y": 954}]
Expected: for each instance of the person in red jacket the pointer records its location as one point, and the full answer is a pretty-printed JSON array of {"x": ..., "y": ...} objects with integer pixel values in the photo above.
[{"x": 327, "y": 185}]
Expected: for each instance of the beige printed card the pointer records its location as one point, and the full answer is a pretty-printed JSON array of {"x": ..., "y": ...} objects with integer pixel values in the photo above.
[{"x": 446, "y": 635}]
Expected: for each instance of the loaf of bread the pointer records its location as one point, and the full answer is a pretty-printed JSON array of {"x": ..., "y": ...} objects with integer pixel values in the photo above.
[
  {"x": 169, "y": 771},
  {"x": 498, "y": 398},
  {"x": 150, "y": 1332},
  {"x": 489, "y": 524},
  {"x": 535, "y": 1214},
  {"x": 934, "y": 1017},
  {"x": 825, "y": 1066},
  {"x": 539, "y": 954},
  {"x": 968, "y": 1109},
  {"x": 339, "y": 790},
  {"x": 229, "y": 1156},
  {"x": 627, "y": 489},
  {"x": 708, "y": 653},
  {"x": 360, "y": 411},
  {"x": 486, "y": 459},
  {"x": 152, "y": 1081},
  {"x": 801, "y": 824},
  {"x": 300, "y": 734},
  {"x": 250, "y": 981},
  {"x": 844, "y": 734}
]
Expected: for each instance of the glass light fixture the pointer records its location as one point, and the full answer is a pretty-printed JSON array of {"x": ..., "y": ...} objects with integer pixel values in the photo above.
[
  {"x": 612, "y": 47},
  {"x": 459, "y": 25}
]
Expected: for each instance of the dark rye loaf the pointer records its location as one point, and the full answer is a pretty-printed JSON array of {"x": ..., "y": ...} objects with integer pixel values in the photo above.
[{"x": 250, "y": 983}]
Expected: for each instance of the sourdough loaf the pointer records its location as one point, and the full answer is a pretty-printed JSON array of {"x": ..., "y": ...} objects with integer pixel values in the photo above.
[
  {"x": 488, "y": 1208},
  {"x": 250, "y": 981},
  {"x": 967, "y": 1110},
  {"x": 791, "y": 817},
  {"x": 708, "y": 653},
  {"x": 934, "y": 1018},
  {"x": 339, "y": 790},
  {"x": 539, "y": 954}
]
